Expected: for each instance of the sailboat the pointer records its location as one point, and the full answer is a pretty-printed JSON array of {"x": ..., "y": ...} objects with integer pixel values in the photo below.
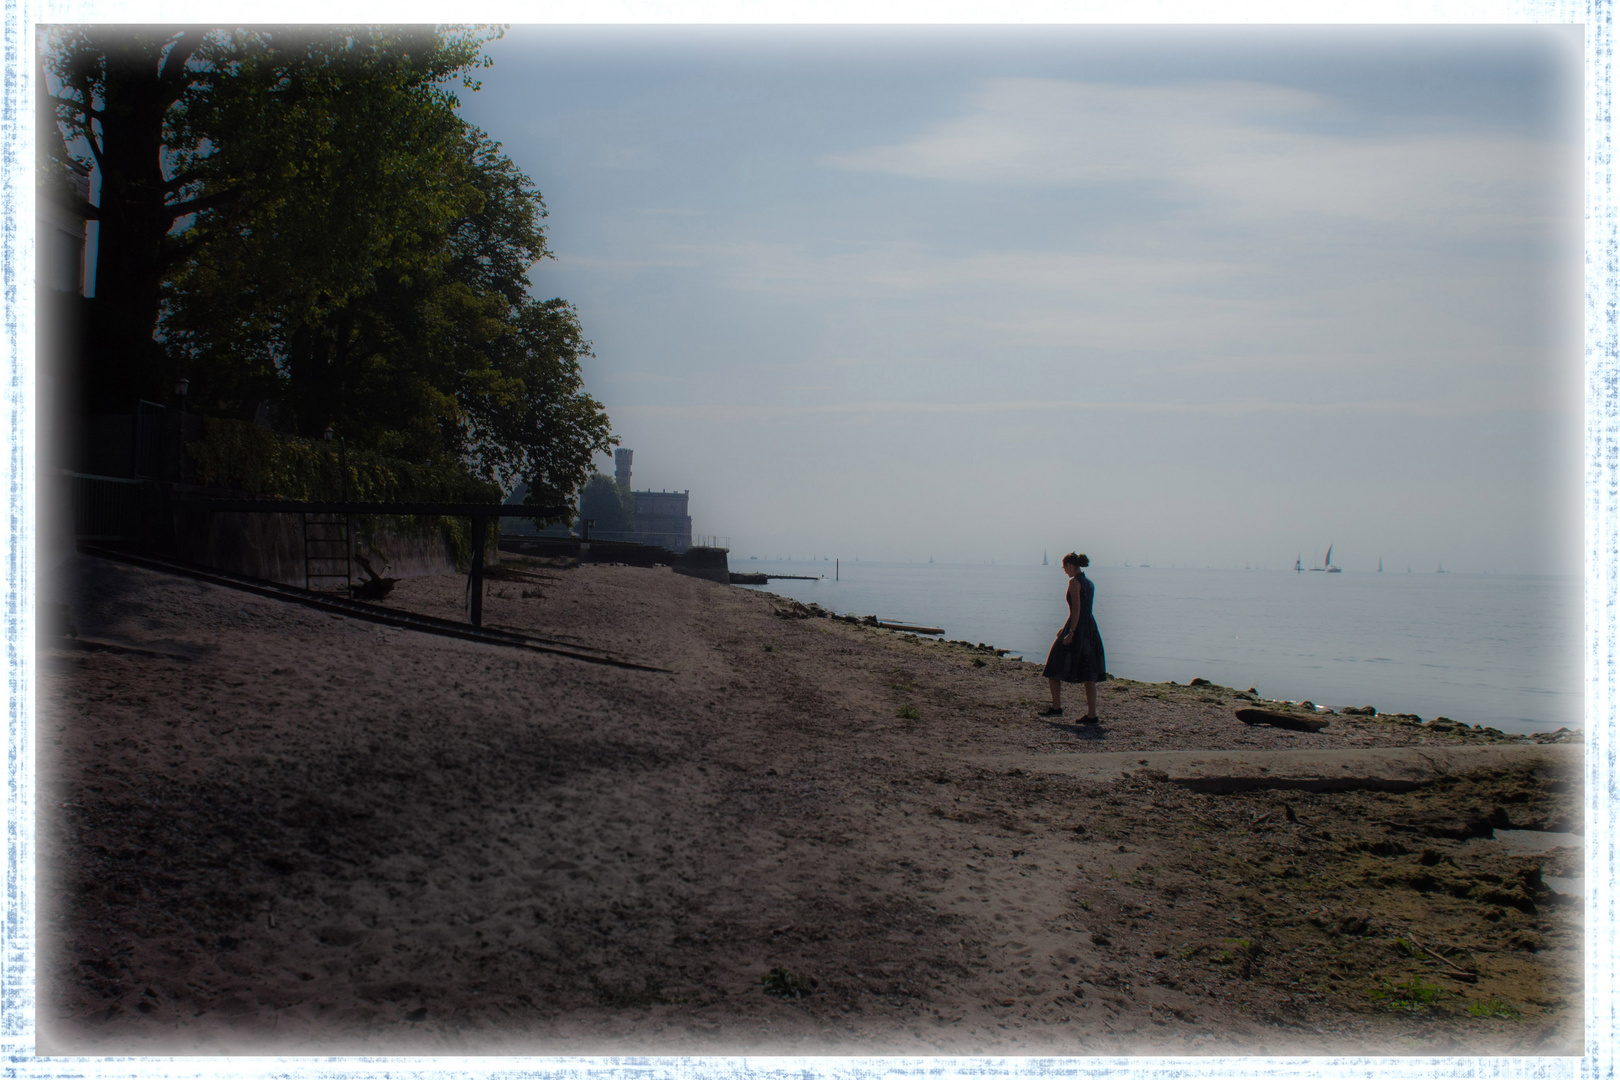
[
  {"x": 1297, "y": 566},
  {"x": 1043, "y": 559},
  {"x": 1380, "y": 564},
  {"x": 1327, "y": 563}
]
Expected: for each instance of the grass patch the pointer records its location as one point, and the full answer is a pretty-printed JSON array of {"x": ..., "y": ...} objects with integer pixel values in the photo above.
[
  {"x": 1241, "y": 953},
  {"x": 1413, "y": 995},
  {"x": 1492, "y": 1006},
  {"x": 783, "y": 983},
  {"x": 908, "y": 712}
]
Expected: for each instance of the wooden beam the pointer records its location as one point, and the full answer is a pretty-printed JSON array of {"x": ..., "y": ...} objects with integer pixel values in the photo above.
[{"x": 475, "y": 578}]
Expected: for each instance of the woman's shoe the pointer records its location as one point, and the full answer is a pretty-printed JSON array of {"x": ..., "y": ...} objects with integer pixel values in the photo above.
[
  {"x": 1056, "y": 711},
  {"x": 1091, "y": 719}
]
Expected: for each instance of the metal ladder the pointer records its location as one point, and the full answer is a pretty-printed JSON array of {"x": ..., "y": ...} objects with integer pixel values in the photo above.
[{"x": 326, "y": 547}]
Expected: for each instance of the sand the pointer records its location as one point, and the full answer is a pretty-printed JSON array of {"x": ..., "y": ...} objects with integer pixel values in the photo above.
[{"x": 267, "y": 829}]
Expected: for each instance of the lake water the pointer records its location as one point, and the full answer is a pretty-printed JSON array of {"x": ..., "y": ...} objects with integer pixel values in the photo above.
[{"x": 1494, "y": 649}]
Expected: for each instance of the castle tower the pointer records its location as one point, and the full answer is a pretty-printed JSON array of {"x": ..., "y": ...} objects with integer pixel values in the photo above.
[{"x": 621, "y": 467}]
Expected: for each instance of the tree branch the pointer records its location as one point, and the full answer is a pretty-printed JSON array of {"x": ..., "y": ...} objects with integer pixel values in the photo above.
[
  {"x": 189, "y": 40},
  {"x": 187, "y": 177},
  {"x": 205, "y": 202},
  {"x": 79, "y": 106}
]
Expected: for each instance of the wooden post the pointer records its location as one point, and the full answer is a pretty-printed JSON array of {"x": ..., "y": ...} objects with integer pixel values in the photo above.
[
  {"x": 475, "y": 579},
  {"x": 835, "y": 569}
]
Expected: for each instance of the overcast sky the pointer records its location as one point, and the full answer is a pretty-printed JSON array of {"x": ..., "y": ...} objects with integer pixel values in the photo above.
[{"x": 1173, "y": 295}]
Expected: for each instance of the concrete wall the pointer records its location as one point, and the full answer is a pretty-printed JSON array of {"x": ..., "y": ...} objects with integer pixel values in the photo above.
[
  {"x": 271, "y": 546},
  {"x": 704, "y": 562}
]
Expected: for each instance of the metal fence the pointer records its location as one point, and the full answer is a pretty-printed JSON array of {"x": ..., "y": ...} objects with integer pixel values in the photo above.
[
  {"x": 106, "y": 507},
  {"x": 712, "y": 541},
  {"x": 148, "y": 449}
]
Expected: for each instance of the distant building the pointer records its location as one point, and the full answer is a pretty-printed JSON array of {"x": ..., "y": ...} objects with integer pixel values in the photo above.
[
  {"x": 661, "y": 519},
  {"x": 661, "y": 516}
]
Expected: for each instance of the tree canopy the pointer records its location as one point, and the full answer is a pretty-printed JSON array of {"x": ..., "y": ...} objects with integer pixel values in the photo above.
[
  {"x": 607, "y": 504},
  {"x": 301, "y": 224}
]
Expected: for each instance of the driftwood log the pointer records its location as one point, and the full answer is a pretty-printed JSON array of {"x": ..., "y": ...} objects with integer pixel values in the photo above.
[
  {"x": 375, "y": 587},
  {"x": 1291, "y": 721}
]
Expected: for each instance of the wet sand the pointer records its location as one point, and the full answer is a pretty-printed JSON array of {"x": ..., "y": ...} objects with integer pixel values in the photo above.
[{"x": 266, "y": 829}]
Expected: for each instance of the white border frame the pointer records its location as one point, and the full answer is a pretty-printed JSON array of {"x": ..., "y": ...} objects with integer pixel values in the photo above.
[{"x": 1602, "y": 477}]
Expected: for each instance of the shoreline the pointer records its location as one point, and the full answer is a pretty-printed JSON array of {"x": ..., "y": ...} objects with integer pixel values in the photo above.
[
  {"x": 1425, "y": 648},
  {"x": 1437, "y": 725},
  {"x": 274, "y": 830}
]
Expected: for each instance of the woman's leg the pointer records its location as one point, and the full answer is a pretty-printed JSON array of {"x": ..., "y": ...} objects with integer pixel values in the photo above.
[
  {"x": 1057, "y": 693},
  {"x": 1091, "y": 701}
]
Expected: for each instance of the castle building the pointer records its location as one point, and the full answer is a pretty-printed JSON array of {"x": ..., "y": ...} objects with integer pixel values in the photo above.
[{"x": 661, "y": 516}]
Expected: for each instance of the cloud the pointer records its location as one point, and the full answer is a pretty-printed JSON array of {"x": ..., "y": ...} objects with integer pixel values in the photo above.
[
  {"x": 1243, "y": 149},
  {"x": 644, "y": 377},
  {"x": 760, "y": 413},
  {"x": 1129, "y": 303},
  {"x": 574, "y": 260}
]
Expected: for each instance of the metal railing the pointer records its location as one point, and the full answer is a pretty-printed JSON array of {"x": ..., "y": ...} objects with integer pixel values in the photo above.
[
  {"x": 712, "y": 541},
  {"x": 106, "y": 507}
]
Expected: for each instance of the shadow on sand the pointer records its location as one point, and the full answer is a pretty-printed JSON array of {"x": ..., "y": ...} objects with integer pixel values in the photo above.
[{"x": 1089, "y": 732}]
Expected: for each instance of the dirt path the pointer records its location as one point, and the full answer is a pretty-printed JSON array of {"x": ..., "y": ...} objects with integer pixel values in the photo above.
[{"x": 276, "y": 830}]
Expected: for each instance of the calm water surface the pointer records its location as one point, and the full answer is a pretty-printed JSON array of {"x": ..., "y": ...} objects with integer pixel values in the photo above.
[{"x": 1493, "y": 649}]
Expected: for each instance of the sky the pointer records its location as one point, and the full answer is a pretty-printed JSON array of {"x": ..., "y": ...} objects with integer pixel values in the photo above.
[{"x": 1201, "y": 296}]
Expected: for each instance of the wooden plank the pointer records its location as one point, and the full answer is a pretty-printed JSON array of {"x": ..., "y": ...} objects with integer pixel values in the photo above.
[
  {"x": 475, "y": 578},
  {"x": 909, "y": 628},
  {"x": 1291, "y": 721}
]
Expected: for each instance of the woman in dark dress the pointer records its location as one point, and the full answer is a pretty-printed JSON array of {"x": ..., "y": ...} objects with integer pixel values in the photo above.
[{"x": 1077, "y": 654}]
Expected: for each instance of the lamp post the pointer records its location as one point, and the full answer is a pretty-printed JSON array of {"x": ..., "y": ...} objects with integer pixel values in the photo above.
[{"x": 182, "y": 386}]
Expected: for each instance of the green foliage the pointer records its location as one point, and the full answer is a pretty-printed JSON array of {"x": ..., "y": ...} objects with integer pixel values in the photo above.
[
  {"x": 1412, "y": 995},
  {"x": 254, "y": 460},
  {"x": 783, "y": 983},
  {"x": 328, "y": 238},
  {"x": 607, "y": 504},
  {"x": 908, "y": 712},
  {"x": 1492, "y": 1007}
]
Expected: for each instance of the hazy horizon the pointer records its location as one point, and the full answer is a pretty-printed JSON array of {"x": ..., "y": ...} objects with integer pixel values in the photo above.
[{"x": 1173, "y": 295}]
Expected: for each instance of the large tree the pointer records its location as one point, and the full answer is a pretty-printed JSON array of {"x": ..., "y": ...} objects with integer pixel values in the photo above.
[{"x": 301, "y": 219}]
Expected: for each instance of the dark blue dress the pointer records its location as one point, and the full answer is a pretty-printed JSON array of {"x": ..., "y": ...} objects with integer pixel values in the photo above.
[{"x": 1082, "y": 660}]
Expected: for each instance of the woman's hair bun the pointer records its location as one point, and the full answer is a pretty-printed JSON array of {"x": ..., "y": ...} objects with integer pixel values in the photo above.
[{"x": 1078, "y": 560}]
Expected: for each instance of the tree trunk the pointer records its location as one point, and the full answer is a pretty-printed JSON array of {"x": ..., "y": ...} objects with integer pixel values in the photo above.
[{"x": 142, "y": 83}]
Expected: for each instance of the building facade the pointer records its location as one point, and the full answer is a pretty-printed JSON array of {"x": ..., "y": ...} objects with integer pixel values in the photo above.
[{"x": 661, "y": 519}]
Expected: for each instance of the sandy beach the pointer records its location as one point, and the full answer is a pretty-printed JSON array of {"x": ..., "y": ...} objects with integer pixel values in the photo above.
[{"x": 268, "y": 829}]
